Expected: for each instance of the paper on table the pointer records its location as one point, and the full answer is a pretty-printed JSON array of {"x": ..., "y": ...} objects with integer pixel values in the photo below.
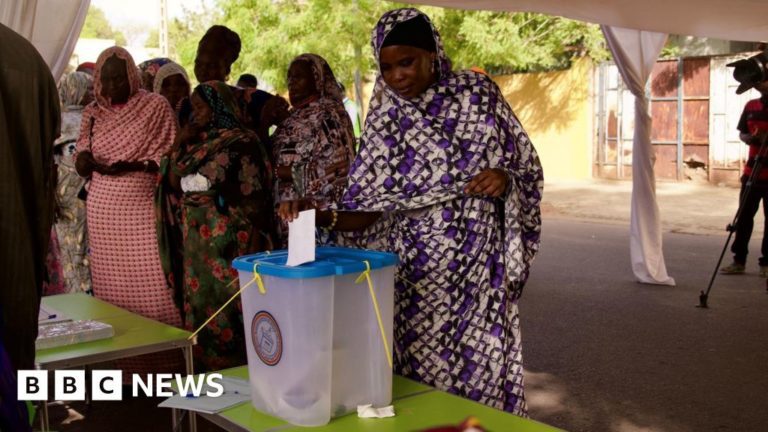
[
  {"x": 236, "y": 391},
  {"x": 205, "y": 404},
  {"x": 301, "y": 239},
  {"x": 368, "y": 411},
  {"x": 48, "y": 315}
]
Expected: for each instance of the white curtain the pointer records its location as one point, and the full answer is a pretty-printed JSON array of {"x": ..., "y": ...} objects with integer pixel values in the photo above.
[
  {"x": 635, "y": 53},
  {"x": 742, "y": 20},
  {"x": 53, "y": 27},
  {"x": 19, "y": 15}
]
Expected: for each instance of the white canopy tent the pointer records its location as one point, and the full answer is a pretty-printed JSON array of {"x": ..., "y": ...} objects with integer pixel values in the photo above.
[
  {"x": 53, "y": 26},
  {"x": 742, "y": 20},
  {"x": 636, "y": 32}
]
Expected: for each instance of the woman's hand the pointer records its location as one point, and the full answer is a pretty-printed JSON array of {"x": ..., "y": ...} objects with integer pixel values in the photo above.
[
  {"x": 289, "y": 210},
  {"x": 491, "y": 182},
  {"x": 85, "y": 164},
  {"x": 339, "y": 168},
  {"x": 124, "y": 167},
  {"x": 275, "y": 111},
  {"x": 116, "y": 168},
  {"x": 189, "y": 132}
]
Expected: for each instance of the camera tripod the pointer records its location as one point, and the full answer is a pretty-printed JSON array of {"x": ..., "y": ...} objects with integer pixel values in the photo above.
[{"x": 731, "y": 228}]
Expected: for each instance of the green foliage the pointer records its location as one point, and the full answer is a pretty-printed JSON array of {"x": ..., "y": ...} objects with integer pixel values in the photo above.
[
  {"x": 515, "y": 42},
  {"x": 273, "y": 32},
  {"x": 184, "y": 34},
  {"x": 672, "y": 48},
  {"x": 97, "y": 26},
  {"x": 153, "y": 41}
]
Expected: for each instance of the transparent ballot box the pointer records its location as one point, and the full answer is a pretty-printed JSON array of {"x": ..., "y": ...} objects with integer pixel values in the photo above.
[{"x": 319, "y": 343}]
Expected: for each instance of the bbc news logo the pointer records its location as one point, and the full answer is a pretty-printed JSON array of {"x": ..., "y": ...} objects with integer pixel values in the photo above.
[{"x": 108, "y": 385}]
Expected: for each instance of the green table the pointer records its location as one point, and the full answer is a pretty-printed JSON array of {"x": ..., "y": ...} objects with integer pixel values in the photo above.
[
  {"x": 417, "y": 406},
  {"x": 134, "y": 335}
]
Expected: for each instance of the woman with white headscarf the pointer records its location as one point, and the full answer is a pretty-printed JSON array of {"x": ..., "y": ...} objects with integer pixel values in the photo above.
[{"x": 172, "y": 83}]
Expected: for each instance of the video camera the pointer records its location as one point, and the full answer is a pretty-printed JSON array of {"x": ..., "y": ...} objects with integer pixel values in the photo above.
[{"x": 751, "y": 71}]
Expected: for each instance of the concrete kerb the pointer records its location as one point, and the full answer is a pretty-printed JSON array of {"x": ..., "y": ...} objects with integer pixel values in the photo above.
[{"x": 686, "y": 208}]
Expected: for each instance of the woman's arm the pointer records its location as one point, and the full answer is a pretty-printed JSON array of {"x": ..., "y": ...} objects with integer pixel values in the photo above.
[
  {"x": 345, "y": 220},
  {"x": 122, "y": 167},
  {"x": 491, "y": 182},
  {"x": 85, "y": 165}
]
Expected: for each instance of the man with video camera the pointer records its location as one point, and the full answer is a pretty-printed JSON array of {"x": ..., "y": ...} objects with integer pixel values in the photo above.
[{"x": 753, "y": 129}]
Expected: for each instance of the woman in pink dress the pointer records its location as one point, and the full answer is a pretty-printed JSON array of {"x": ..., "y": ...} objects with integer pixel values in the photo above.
[{"x": 123, "y": 136}]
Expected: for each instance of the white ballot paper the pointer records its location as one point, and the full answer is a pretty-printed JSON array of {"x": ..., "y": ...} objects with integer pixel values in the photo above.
[
  {"x": 236, "y": 391},
  {"x": 301, "y": 239}
]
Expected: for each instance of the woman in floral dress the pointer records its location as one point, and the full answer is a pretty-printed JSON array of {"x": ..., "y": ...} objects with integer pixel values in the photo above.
[{"x": 226, "y": 211}]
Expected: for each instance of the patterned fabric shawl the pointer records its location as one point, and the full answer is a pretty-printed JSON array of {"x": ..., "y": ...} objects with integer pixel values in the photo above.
[
  {"x": 72, "y": 89},
  {"x": 314, "y": 137},
  {"x": 423, "y": 151},
  {"x": 226, "y": 127},
  {"x": 141, "y": 129}
]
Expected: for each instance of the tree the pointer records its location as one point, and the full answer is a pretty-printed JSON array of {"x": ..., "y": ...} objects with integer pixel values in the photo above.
[
  {"x": 97, "y": 26},
  {"x": 274, "y": 32},
  {"x": 153, "y": 40},
  {"x": 185, "y": 33},
  {"x": 503, "y": 42}
]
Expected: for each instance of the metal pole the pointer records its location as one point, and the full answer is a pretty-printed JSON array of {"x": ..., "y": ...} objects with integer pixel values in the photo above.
[
  {"x": 680, "y": 123},
  {"x": 163, "y": 34},
  {"x": 358, "y": 76}
]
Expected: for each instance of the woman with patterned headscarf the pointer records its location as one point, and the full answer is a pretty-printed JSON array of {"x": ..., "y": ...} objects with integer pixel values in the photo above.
[
  {"x": 226, "y": 211},
  {"x": 149, "y": 70},
  {"x": 313, "y": 148},
  {"x": 447, "y": 178},
  {"x": 122, "y": 139},
  {"x": 75, "y": 92}
]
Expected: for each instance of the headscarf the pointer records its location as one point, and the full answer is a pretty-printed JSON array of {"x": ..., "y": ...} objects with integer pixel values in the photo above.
[
  {"x": 151, "y": 66},
  {"x": 423, "y": 151},
  {"x": 226, "y": 112},
  {"x": 87, "y": 67},
  {"x": 142, "y": 129},
  {"x": 134, "y": 80},
  {"x": 224, "y": 129},
  {"x": 72, "y": 89},
  {"x": 314, "y": 136},
  {"x": 166, "y": 70},
  {"x": 415, "y": 32},
  {"x": 325, "y": 83}
]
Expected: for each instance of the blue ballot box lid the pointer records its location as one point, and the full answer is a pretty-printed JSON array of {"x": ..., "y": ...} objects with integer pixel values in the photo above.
[{"x": 329, "y": 261}]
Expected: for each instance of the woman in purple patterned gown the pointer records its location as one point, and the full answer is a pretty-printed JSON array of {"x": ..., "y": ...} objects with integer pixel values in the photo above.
[{"x": 447, "y": 178}]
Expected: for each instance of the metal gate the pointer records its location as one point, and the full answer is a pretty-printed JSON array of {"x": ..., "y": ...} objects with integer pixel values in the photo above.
[
  {"x": 678, "y": 91},
  {"x": 694, "y": 110}
]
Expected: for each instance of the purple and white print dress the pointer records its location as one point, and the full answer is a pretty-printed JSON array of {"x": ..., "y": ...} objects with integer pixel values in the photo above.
[{"x": 464, "y": 259}]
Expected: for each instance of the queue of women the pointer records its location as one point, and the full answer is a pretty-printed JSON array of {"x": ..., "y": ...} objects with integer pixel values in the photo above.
[{"x": 162, "y": 185}]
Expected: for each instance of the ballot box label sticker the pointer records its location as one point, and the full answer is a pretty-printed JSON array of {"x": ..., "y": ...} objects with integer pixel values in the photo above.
[{"x": 266, "y": 337}]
